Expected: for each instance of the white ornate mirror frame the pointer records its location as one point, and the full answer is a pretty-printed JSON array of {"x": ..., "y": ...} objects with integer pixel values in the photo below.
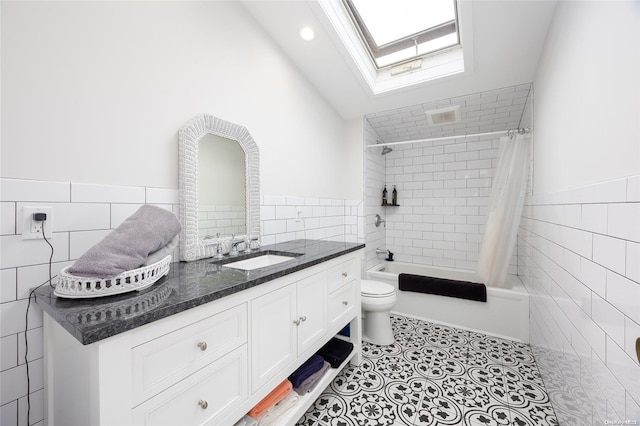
[{"x": 192, "y": 247}]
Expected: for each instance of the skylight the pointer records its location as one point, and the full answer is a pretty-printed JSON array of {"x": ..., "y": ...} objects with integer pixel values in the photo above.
[
  {"x": 402, "y": 30},
  {"x": 403, "y": 51}
]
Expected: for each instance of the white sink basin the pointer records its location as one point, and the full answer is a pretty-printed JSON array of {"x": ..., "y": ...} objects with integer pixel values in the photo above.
[{"x": 259, "y": 262}]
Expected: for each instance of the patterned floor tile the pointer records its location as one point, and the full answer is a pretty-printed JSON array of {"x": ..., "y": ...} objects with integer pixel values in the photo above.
[{"x": 436, "y": 375}]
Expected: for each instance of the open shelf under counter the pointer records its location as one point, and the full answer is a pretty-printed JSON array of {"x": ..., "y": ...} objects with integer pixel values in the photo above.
[{"x": 290, "y": 417}]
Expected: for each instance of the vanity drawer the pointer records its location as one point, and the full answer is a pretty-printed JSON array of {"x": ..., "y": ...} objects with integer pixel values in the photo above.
[
  {"x": 161, "y": 362},
  {"x": 203, "y": 398},
  {"x": 341, "y": 274},
  {"x": 342, "y": 304}
]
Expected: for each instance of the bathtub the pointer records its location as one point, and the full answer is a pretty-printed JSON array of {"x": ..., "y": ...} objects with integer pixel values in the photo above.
[{"x": 505, "y": 313}]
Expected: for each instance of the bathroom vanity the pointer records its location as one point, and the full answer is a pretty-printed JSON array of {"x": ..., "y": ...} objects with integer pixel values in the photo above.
[{"x": 204, "y": 344}]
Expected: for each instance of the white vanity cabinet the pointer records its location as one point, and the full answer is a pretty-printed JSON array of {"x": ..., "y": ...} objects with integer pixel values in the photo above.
[
  {"x": 208, "y": 365},
  {"x": 284, "y": 324},
  {"x": 169, "y": 370}
]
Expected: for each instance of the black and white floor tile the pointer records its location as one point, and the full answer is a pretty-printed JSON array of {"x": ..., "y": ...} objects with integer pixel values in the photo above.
[{"x": 434, "y": 375}]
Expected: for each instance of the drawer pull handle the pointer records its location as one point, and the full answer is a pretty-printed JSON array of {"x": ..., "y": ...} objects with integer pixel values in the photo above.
[
  {"x": 345, "y": 302},
  {"x": 303, "y": 318},
  {"x": 203, "y": 347},
  {"x": 296, "y": 322},
  {"x": 203, "y": 404},
  {"x": 344, "y": 274}
]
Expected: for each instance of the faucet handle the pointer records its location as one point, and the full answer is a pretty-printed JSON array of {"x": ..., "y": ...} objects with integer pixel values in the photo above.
[
  {"x": 218, "y": 254},
  {"x": 257, "y": 240},
  {"x": 234, "y": 245}
]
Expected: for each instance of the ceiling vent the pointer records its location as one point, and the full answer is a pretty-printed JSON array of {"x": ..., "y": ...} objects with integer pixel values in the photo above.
[{"x": 439, "y": 117}]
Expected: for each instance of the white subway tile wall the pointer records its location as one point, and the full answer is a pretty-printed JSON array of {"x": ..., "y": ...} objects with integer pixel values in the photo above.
[
  {"x": 82, "y": 215},
  {"x": 443, "y": 186},
  {"x": 443, "y": 196},
  {"x": 225, "y": 220},
  {"x": 578, "y": 257},
  {"x": 285, "y": 218},
  {"x": 375, "y": 177}
]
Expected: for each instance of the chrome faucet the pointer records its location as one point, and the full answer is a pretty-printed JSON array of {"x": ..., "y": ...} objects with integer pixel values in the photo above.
[
  {"x": 234, "y": 245},
  {"x": 247, "y": 243},
  {"x": 218, "y": 254},
  {"x": 385, "y": 252},
  {"x": 217, "y": 244}
]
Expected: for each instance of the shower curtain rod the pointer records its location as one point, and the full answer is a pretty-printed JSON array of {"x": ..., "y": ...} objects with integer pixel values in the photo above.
[{"x": 443, "y": 138}]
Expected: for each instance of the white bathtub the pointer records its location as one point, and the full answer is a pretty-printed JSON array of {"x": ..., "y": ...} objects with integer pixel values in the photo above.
[{"x": 505, "y": 313}]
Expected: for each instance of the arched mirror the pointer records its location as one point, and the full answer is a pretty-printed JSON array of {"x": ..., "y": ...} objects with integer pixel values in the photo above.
[{"x": 219, "y": 186}]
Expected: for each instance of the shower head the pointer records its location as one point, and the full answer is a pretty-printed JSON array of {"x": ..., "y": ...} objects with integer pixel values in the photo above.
[{"x": 385, "y": 149}]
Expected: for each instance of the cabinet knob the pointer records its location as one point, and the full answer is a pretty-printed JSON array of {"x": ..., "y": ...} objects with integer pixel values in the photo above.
[
  {"x": 202, "y": 346},
  {"x": 303, "y": 318},
  {"x": 345, "y": 302},
  {"x": 296, "y": 322},
  {"x": 203, "y": 404},
  {"x": 344, "y": 274}
]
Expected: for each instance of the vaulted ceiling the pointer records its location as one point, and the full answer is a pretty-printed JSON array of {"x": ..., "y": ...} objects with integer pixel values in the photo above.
[{"x": 508, "y": 37}]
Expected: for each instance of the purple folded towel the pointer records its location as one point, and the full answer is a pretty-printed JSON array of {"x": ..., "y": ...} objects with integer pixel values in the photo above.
[
  {"x": 147, "y": 230},
  {"x": 312, "y": 381},
  {"x": 309, "y": 367},
  {"x": 335, "y": 351}
]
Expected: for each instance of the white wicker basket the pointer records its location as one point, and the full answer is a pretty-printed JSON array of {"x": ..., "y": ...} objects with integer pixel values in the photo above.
[{"x": 74, "y": 287}]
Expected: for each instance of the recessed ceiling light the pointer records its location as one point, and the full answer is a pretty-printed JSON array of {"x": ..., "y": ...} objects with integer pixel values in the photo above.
[{"x": 307, "y": 33}]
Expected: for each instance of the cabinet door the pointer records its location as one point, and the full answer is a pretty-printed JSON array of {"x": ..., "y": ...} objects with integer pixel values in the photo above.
[
  {"x": 312, "y": 310},
  {"x": 273, "y": 334}
]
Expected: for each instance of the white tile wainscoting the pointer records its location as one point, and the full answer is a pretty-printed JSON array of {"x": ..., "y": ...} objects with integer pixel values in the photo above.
[
  {"x": 579, "y": 257},
  {"x": 285, "y": 218},
  {"x": 82, "y": 215}
]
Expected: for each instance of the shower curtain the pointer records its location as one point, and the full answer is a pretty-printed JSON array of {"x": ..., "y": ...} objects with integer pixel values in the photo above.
[{"x": 505, "y": 209}]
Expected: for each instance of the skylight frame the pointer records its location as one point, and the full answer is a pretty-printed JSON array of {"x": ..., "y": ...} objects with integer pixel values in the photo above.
[
  {"x": 448, "y": 64},
  {"x": 412, "y": 40}
]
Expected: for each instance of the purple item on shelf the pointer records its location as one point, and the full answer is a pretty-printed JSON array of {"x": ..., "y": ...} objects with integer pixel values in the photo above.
[
  {"x": 312, "y": 381},
  {"x": 305, "y": 371},
  {"x": 336, "y": 351}
]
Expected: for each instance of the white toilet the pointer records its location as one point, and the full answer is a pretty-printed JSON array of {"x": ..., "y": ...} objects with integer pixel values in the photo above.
[{"x": 377, "y": 300}]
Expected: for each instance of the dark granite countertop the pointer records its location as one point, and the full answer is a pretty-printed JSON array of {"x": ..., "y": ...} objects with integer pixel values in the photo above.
[{"x": 188, "y": 284}]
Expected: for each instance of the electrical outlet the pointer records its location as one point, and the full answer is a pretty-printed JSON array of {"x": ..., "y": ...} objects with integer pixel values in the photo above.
[
  {"x": 32, "y": 229},
  {"x": 298, "y": 215}
]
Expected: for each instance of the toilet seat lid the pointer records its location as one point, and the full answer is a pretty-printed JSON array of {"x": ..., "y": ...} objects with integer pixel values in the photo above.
[{"x": 371, "y": 288}]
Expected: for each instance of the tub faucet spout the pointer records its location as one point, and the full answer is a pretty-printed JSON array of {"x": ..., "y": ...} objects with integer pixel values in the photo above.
[{"x": 385, "y": 252}]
